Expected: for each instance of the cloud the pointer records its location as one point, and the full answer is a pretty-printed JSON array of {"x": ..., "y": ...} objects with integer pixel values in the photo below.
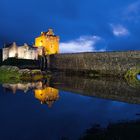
[
  {"x": 119, "y": 30},
  {"x": 132, "y": 11},
  {"x": 133, "y": 7},
  {"x": 82, "y": 44}
]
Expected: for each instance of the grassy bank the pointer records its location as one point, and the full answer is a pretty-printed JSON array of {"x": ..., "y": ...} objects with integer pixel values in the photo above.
[
  {"x": 9, "y": 73},
  {"x": 131, "y": 77},
  {"x": 14, "y": 74}
]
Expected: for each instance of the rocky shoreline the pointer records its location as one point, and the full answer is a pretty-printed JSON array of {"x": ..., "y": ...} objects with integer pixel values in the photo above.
[{"x": 15, "y": 74}]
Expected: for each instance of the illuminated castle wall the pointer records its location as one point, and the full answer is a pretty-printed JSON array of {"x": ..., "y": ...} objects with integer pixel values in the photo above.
[
  {"x": 21, "y": 52},
  {"x": 46, "y": 44},
  {"x": 48, "y": 41}
]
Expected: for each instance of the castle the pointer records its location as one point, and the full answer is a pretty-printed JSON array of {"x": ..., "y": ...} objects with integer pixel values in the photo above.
[{"x": 46, "y": 44}]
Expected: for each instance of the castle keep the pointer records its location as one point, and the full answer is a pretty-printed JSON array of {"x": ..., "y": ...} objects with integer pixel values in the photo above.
[{"x": 47, "y": 43}]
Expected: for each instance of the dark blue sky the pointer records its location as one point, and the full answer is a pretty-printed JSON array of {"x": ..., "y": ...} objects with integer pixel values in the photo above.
[{"x": 111, "y": 24}]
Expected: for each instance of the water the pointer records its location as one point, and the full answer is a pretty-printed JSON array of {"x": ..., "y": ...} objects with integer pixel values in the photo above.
[
  {"x": 64, "y": 107},
  {"x": 138, "y": 76}
]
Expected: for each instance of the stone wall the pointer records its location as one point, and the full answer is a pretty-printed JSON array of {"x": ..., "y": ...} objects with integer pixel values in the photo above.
[{"x": 105, "y": 63}]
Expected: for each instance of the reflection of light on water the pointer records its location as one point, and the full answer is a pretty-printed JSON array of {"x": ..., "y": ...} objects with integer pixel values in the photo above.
[
  {"x": 42, "y": 92},
  {"x": 47, "y": 95},
  {"x": 138, "y": 76}
]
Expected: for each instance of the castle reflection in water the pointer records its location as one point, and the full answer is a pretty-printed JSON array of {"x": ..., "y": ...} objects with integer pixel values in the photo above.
[{"x": 42, "y": 91}]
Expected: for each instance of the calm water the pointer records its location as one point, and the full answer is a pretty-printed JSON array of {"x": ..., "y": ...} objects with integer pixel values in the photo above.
[
  {"x": 138, "y": 76},
  {"x": 64, "y": 107}
]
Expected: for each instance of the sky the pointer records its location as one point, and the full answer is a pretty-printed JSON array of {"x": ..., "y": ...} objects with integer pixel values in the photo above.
[{"x": 83, "y": 25}]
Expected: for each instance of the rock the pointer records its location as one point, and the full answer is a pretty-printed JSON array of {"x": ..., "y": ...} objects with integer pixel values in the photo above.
[
  {"x": 24, "y": 71},
  {"x": 13, "y": 72},
  {"x": 9, "y": 68},
  {"x": 36, "y": 72}
]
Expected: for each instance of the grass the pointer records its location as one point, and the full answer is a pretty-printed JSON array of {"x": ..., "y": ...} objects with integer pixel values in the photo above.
[
  {"x": 14, "y": 74},
  {"x": 8, "y": 73},
  {"x": 131, "y": 77}
]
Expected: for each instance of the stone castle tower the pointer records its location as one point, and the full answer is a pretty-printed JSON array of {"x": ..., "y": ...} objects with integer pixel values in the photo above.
[{"x": 48, "y": 41}]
